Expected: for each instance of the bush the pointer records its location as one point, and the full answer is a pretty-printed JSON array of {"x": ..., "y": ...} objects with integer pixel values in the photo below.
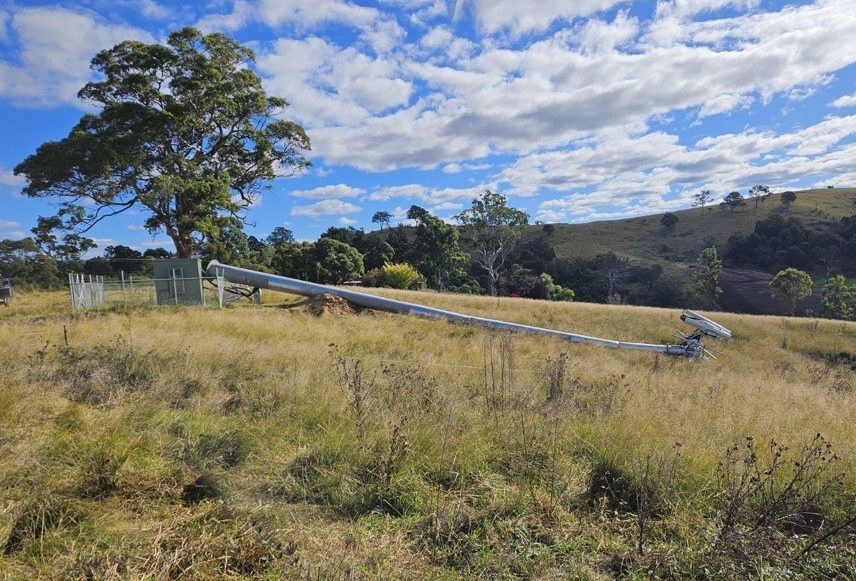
[
  {"x": 401, "y": 275},
  {"x": 669, "y": 220}
]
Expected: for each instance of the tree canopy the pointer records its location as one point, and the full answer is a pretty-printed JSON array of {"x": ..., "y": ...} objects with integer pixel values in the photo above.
[
  {"x": 791, "y": 285},
  {"x": 183, "y": 131},
  {"x": 492, "y": 228}
]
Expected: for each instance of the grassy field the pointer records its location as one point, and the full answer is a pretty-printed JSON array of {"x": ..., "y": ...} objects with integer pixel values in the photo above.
[
  {"x": 265, "y": 442},
  {"x": 642, "y": 239}
]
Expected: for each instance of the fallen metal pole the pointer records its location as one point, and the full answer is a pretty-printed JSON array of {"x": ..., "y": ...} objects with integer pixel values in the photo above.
[{"x": 273, "y": 282}]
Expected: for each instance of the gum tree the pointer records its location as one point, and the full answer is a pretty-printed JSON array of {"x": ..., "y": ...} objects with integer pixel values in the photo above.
[
  {"x": 791, "y": 285},
  {"x": 183, "y": 132},
  {"x": 492, "y": 228}
]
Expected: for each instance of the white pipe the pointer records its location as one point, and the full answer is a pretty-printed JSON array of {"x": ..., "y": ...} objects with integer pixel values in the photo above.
[{"x": 274, "y": 282}]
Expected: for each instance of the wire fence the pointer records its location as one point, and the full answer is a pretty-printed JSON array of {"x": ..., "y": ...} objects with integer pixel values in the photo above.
[{"x": 87, "y": 291}]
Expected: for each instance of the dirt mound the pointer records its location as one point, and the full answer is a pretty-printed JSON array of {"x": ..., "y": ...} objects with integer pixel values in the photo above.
[{"x": 325, "y": 305}]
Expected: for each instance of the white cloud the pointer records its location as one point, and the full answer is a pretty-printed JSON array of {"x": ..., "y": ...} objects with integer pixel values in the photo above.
[
  {"x": 136, "y": 228},
  {"x": 55, "y": 47},
  {"x": 624, "y": 174},
  {"x": 454, "y": 168},
  {"x": 579, "y": 82},
  {"x": 325, "y": 208},
  {"x": 241, "y": 14},
  {"x": 328, "y": 192},
  {"x": 7, "y": 178},
  {"x": 519, "y": 17},
  {"x": 9, "y": 224},
  {"x": 845, "y": 101},
  {"x": 328, "y": 85},
  {"x": 724, "y": 103},
  {"x": 151, "y": 9},
  {"x": 345, "y": 221}
]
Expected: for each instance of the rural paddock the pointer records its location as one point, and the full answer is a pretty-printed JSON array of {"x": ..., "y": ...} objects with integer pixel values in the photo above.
[{"x": 270, "y": 440}]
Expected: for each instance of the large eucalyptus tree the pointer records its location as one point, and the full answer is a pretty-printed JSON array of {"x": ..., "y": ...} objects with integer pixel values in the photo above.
[{"x": 183, "y": 131}]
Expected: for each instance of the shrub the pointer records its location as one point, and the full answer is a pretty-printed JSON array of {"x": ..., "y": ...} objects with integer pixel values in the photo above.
[
  {"x": 401, "y": 275},
  {"x": 669, "y": 220}
]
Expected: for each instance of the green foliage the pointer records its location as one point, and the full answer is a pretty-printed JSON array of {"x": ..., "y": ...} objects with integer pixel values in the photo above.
[
  {"x": 183, "y": 131},
  {"x": 280, "y": 236},
  {"x": 326, "y": 261},
  {"x": 232, "y": 246},
  {"x": 336, "y": 261},
  {"x": 555, "y": 292},
  {"x": 435, "y": 252},
  {"x": 838, "y": 299},
  {"x": 492, "y": 228},
  {"x": 401, "y": 276},
  {"x": 778, "y": 242},
  {"x": 382, "y": 218},
  {"x": 759, "y": 193},
  {"x": 788, "y": 198},
  {"x": 27, "y": 265},
  {"x": 734, "y": 200},
  {"x": 791, "y": 285},
  {"x": 707, "y": 275},
  {"x": 669, "y": 220},
  {"x": 702, "y": 198}
]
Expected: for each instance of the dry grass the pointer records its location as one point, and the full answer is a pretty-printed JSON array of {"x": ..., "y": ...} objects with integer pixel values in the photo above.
[{"x": 444, "y": 470}]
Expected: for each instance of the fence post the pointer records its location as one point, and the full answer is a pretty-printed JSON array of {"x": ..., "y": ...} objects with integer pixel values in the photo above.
[
  {"x": 124, "y": 295},
  {"x": 174, "y": 287},
  {"x": 221, "y": 282},
  {"x": 71, "y": 289}
]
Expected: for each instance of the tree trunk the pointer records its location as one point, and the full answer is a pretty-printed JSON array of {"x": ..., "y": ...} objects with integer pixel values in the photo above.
[{"x": 183, "y": 245}]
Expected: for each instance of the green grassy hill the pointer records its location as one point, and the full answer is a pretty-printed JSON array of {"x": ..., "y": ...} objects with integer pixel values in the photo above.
[{"x": 643, "y": 239}]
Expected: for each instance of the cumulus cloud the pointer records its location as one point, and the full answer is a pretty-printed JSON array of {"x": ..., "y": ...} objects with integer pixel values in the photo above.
[
  {"x": 55, "y": 46},
  {"x": 577, "y": 83},
  {"x": 455, "y": 168},
  {"x": 624, "y": 174},
  {"x": 329, "y": 192},
  {"x": 325, "y": 208},
  {"x": 519, "y": 17},
  {"x": 329, "y": 85},
  {"x": 845, "y": 101}
]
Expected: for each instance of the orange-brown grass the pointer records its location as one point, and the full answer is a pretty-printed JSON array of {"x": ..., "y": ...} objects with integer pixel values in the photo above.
[{"x": 455, "y": 466}]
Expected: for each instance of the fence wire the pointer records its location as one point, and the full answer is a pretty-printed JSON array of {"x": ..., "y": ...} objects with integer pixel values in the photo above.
[{"x": 96, "y": 291}]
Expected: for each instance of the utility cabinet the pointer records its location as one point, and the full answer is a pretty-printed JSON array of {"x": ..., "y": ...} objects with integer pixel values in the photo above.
[{"x": 178, "y": 281}]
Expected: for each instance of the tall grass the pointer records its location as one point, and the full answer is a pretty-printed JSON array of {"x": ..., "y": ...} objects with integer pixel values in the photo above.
[{"x": 260, "y": 441}]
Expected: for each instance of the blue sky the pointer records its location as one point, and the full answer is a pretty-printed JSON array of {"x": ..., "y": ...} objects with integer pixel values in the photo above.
[{"x": 576, "y": 109}]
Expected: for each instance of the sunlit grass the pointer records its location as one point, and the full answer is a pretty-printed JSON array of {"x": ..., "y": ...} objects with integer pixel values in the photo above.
[{"x": 143, "y": 402}]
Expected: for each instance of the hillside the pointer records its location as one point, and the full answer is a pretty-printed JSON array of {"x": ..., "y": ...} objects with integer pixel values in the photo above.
[
  {"x": 643, "y": 239},
  {"x": 262, "y": 442}
]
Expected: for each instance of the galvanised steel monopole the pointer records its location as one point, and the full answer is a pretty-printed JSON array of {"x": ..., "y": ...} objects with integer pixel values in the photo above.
[{"x": 689, "y": 346}]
